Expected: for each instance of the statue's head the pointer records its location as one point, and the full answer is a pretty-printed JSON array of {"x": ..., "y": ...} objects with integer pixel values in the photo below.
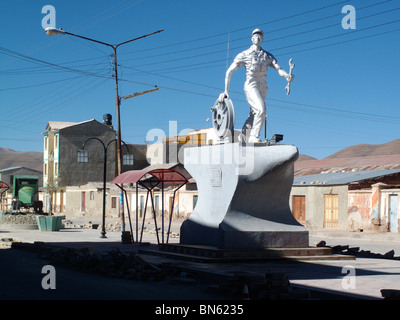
[{"x": 257, "y": 36}]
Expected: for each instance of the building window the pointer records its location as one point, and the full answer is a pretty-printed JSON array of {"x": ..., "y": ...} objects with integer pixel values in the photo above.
[
  {"x": 113, "y": 202},
  {"x": 127, "y": 159},
  {"x": 45, "y": 142},
  {"x": 91, "y": 195},
  {"x": 55, "y": 168},
  {"x": 56, "y": 141},
  {"x": 83, "y": 156},
  {"x": 45, "y": 169}
]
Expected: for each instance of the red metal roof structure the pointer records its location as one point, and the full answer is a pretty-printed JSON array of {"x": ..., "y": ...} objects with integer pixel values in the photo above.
[
  {"x": 168, "y": 174},
  {"x": 4, "y": 185},
  {"x": 161, "y": 176}
]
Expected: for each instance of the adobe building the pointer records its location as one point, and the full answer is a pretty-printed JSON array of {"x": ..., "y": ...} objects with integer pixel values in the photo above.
[
  {"x": 350, "y": 200},
  {"x": 74, "y": 156}
]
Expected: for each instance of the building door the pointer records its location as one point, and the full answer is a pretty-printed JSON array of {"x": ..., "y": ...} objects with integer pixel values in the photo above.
[
  {"x": 83, "y": 207},
  {"x": 299, "y": 208},
  {"x": 393, "y": 209},
  {"x": 173, "y": 204},
  {"x": 61, "y": 201},
  {"x": 331, "y": 210},
  {"x": 157, "y": 205},
  {"x": 141, "y": 212}
]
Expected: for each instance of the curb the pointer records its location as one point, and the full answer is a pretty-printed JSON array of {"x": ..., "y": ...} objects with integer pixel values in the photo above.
[{"x": 20, "y": 226}]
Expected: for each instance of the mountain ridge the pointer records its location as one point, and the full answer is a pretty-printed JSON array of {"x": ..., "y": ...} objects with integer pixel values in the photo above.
[
  {"x": 368, "y": 150},
  {"x": 30, "y": 159},
  {"x": 34, "y": 160}
]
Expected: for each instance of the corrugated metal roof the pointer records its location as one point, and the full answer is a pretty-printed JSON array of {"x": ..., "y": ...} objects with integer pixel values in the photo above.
[
  {"x": 10, "y": 169},
  {"x": 58, "y": 125},
  {"x": 339, "y": 178}
]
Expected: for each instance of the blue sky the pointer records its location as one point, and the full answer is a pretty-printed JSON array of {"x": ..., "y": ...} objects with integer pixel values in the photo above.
[{"x": 345, "y": 90}]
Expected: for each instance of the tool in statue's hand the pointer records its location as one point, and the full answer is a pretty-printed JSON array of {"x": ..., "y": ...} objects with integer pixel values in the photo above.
[{"x": 290, "y": 76}]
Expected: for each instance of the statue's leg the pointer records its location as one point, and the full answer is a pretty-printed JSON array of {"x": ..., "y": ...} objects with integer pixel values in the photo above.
[
  {"x": 256, "y": 100},
  {"x": 247, "y": 127}
]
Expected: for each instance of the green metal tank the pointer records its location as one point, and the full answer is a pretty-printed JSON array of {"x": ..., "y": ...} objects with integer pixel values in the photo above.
[{"x": 26, "y": 191}]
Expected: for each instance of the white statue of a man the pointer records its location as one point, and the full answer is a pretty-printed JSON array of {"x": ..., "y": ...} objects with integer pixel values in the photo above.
[{"x": 256, "y": 61}]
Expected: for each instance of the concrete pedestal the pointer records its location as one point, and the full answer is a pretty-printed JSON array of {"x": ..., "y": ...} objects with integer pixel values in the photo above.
[{"x": 243, "y": 197}]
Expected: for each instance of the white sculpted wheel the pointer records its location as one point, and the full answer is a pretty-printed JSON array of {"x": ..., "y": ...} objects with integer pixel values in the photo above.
[{"x": 223, "y": 118}]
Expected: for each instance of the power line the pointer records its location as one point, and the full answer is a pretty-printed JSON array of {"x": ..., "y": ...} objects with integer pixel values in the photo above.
[
  {"x": 52, "y": 106},
  {"x": 245, "y": 28},
  {"x": 70, "y": 69},
  {"x": 331, "y": 111},
  {"x": 317, "y": 109},
  {"x": 200, "y": 93},
  {"x": 47, "y": 96},
  {"x": 107, "y": 14},
  {"x": 345, "y": 41},
  {"x": 270, "y": 31},
  {"x": 336, "y": 35},
  {"x": 221, "y": 60},
  {"x": 24, "y": 57},
  {"x": 42, "y": 69},
  {"x": 33, "y": 69},
  {"x": 53, "y": 65},
  {"x": 275, "y": 49},
  {"x": 153, "y": 72},
  {"x": 40, "y": 84}
]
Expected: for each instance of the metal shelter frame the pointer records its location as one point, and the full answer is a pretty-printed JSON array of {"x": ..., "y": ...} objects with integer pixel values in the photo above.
[
  {"x": 149, "y": 178},
  {"x": 3, "y": 188}
]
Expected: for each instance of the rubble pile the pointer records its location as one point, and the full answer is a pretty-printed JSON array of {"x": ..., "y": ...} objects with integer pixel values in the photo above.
[
  {"x": 116, "y": 226},
  {"x": 5, "y": 243},
  {"x": 355, "y": 251},
  {"x": 113, "y": 263},
  {"x": 90, "y": 225},
  {"x": 29, "y": 218}
]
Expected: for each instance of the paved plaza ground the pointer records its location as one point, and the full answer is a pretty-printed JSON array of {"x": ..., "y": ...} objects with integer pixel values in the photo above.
[{"x": 360, "y": 278}]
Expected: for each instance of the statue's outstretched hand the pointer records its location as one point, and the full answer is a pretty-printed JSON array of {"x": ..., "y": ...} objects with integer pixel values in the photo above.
[{"x": 290, "y": 77}]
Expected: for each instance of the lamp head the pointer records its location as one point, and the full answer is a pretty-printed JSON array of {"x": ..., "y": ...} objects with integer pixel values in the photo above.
[{"x": 50, "y": 31}]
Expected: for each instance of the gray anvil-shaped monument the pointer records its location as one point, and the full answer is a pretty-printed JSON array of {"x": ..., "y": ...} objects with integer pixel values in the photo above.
[
  {"x": 243, "y": 197},
  {"x": 244, "y": 187}
]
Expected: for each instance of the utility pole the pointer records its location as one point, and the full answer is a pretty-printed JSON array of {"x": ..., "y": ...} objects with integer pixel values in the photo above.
[{"x": 53, "y": 31}]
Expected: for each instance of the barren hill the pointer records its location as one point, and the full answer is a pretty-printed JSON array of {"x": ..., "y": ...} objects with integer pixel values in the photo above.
[
  {"x": 368, "y": 150},
  {"x": 10, "y": 158},
  {"x": 304, "y": 157},
  {"x": 357, "y": 157}
]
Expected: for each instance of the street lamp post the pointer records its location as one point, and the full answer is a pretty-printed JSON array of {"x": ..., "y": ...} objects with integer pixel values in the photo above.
[
  {"x": 105, "y": 147},
  {"x": 50, "y": 31},
  {"x": 103, "y": 227}
]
